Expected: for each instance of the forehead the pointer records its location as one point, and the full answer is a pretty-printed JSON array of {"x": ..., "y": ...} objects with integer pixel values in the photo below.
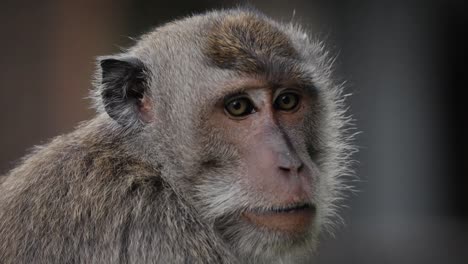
[{"x": 248, "y": 43}]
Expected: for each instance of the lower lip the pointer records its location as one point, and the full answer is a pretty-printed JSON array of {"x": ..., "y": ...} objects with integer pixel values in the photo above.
[{"x": 295, "y": 221}]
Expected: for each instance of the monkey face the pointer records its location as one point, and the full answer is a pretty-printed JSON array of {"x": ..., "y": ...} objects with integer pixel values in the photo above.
[
  {"x": 261, "y": 177},
  {"x": 274, "y": 167}
]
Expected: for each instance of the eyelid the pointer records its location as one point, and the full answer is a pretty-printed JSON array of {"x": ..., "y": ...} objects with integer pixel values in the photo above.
[
  {"x": 238, "y": 95},
  {"x": 286, "y": 90},
  {"x": 231, "y": 97},
  {"x": 234, "y": 94}
]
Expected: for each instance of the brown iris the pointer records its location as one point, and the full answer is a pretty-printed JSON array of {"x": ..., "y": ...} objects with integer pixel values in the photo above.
[
  {"x": 239, "y": 107},
  {"x": 287, "y": 101}
]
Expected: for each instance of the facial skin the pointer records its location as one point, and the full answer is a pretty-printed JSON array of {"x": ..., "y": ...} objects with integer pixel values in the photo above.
[
  {"x": 274, "y": 168},
  {"x": 264, "y": 122}
]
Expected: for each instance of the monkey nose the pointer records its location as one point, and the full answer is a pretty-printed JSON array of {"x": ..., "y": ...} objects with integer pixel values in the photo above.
[{"x": 290, "y": 163}]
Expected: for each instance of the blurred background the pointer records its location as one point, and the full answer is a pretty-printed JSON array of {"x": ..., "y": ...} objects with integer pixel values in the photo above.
[{"x": 405, "y": 62}]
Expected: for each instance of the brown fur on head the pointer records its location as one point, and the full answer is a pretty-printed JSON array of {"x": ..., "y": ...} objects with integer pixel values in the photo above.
[
  {"x": 169, "y": 173},
  {"x": 246, "y": 42}
]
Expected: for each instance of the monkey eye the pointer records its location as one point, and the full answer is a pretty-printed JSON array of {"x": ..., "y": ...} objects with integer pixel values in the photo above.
[
  {"x": 239, "y": 107},
  {"x": 287, "y": 101}
]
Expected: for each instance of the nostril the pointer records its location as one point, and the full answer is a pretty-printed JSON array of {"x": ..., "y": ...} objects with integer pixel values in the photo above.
[
  {"x": 292, "y": 167},
  {"x": 288, "y": 162},
  {"x": 300, "y": 168}
]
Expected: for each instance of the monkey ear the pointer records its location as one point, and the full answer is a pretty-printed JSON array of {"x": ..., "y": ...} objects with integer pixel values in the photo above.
[{"x": 124, "y": 90}]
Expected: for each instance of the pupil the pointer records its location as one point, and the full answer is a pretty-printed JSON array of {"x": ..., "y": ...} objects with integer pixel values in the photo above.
[
  {"x": 236, "y": 105},
  {"x": 286, "y": 100}
]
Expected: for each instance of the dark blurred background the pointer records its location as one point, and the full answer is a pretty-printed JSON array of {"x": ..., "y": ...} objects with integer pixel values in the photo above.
[{"x": 405, "y": 62}]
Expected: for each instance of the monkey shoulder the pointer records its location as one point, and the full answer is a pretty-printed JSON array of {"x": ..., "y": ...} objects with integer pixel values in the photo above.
[
  {"x": 65, "y": 198},
  {"x": 83, "y": 198}
]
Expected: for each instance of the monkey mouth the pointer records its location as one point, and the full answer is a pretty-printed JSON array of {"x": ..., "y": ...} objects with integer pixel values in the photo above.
[
  {"x": 296, "y": 218},
  {"x": 291, "y": 208}
]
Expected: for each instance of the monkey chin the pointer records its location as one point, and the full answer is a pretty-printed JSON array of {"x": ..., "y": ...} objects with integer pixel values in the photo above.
[{"x": 291, "y": 220}]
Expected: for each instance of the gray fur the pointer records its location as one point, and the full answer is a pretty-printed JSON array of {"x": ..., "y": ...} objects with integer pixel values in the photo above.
[{"x": 125, "y": 191}]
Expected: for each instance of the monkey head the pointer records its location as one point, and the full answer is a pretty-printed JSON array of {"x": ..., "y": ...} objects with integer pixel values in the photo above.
[{"x": 241, "y": 115}]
